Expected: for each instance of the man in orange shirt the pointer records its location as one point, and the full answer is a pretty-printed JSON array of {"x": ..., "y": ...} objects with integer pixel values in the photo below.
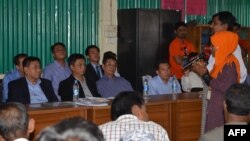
[{"x": 179, "y": 50}]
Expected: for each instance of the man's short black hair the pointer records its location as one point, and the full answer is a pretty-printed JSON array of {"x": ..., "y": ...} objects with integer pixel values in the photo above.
[
  {"x": 57, "y": 44},
  {"x": 75, "y": 128},
  {"x": 17, "y": 57},
  {"x": 123, "y": 103},
  {"x": 157, "y": 66},
  {"x": 179, "y": 24},
  {"x": 107, "y": 57},
  {"x": 14, "y": 120},
  {"x": 89, "y": 47},
  {"x": 237, "y": 99},
  {"x": 109, "y": 53},
  {"x": 28, "y": 60},
  {"x": 73, "y": 57},
  {"x": 226, "y": 17}
]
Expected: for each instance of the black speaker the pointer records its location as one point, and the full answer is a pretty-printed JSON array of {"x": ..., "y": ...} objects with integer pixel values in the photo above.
[{"x": 143, "y": 38}]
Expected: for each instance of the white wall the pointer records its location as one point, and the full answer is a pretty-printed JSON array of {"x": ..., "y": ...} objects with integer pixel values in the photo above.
[{"x": 107, "y": 26}]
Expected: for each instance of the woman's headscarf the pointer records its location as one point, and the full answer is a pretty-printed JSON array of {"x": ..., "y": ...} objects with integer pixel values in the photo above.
[{"x": 225, "y": 43}]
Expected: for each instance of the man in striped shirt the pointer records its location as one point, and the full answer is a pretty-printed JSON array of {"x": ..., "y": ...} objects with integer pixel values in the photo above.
[{"x": 129, "y": 117}]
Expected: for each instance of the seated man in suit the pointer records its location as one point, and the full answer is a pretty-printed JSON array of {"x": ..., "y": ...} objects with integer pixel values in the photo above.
[
  {"x": 110, "y": 85},
  {"x": 236, "y": 111},
  {"x": 14, "y": 74},
  {"x": 15, "y": 123},
  {"x": 162, "y": 82},
  {"x": 128, "y": 114},
  {"x": 93, "y": 70},
  {"x": 77, "y": 65},
  {"x": 31, "y": 88}
]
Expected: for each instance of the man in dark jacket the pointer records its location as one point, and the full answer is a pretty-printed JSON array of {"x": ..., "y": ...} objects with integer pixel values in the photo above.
[{"x": 31, "y": 88}]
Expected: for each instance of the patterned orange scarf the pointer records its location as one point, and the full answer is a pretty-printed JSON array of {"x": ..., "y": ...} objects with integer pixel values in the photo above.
[{"x": 225, "y": 43}]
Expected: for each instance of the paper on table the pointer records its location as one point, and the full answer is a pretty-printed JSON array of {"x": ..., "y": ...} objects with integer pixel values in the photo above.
[{"x": 93, "y": 101}]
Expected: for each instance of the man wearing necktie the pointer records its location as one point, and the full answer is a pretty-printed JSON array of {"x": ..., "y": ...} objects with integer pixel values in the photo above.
[
  {"x": 98, "y": 71},
  {"x": 93, "y": 69}
]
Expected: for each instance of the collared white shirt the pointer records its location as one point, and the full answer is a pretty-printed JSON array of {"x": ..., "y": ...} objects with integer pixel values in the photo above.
[
  {"x": 114, "y": 130},
  {"x": 191, "y": 80},
  {"x": 85, "y": 88}
]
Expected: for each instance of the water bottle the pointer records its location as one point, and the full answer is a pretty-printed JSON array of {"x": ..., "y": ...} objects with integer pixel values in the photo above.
[
  {"x": 75, "y": 91},
  {"x": 174, "y": 85},
  {"x": 145, "y": 87}
]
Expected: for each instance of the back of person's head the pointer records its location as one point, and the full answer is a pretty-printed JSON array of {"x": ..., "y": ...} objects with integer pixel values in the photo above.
[
  {"x": 52, "y": 48},
  {"x": 226, "y": 17},
  {"x": 90, "y": 47},
  {"x": 17, "y": 57},
  {"x": 179, "y": 24},
  {"x": 28, "y": 60},
  {"x": 71, "y": 129},
  {"x": 14, "y": 121},
  {"x": 108, "y": 57},
  {"x": 73, "y": 57},
  {"x": 237, "y": 99},
  {"x": 123, "y": 103}
]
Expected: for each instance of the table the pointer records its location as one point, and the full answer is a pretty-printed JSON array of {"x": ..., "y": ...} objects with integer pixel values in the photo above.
[
  {"x": 179, "y": 114},
  {"x": 50, "y": 113}
]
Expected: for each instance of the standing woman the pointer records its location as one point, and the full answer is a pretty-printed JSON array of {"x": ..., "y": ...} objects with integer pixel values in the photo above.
[{"x": 226, "y": 71}]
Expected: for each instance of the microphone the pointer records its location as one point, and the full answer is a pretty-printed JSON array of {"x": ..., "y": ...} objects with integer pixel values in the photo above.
[{"x": 190, "y": 62}]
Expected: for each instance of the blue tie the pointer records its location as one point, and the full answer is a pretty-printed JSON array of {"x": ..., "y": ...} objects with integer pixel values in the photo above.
[{"x": 98, "y": 72}]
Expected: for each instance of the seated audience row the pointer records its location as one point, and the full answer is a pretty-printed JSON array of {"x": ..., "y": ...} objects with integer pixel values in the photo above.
[
  {"x": 95, "y": 80},
  {"x": 37, "y": 90}
]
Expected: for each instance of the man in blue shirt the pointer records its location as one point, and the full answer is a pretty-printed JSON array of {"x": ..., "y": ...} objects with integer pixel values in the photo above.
[
  {"x": 110, "y": 85},
  {"x": 13, "y": 74},
  {"x": 162, "y": 82},
  {"x": 59, "y": 69}
]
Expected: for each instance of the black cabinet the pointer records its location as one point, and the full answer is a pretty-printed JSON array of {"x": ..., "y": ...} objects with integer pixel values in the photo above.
[{"x": 143, "y": 38}]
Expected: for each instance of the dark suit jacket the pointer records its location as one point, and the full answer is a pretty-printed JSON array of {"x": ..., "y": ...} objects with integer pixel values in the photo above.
[
  {"x": 19, "y": 91},
  {"x": 91, "y": 76},
  {"x": 66, "y": 89}
]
